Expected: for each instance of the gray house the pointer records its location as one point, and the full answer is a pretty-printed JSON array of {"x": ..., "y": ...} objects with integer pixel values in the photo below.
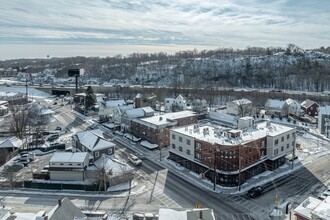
[{"x": 93, "y": 142}]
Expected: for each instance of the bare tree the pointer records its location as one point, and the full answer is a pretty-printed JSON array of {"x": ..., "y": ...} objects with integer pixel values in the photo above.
[
  {"x": 18, "y": 120},
  {"x": 9, "y": 172},
  {"x": 244, "y": 107},
  {"x": 103, "y": 178}
]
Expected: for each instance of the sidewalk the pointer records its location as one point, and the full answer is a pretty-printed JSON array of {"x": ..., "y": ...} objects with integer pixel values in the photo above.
[{"x": 257, "y": 180}]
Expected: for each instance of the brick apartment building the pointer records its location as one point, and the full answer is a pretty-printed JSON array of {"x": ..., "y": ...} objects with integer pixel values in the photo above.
[
  {"x": 155, "y": 129},
  {"x": 237, "y": 155}
]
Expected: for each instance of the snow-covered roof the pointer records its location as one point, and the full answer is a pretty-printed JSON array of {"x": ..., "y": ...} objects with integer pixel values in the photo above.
[
  {"x": 69, "y": 157},
  {"x": 114, "y": 103},
  {"x": 94, "y": 140},
  {"x": 148, "y": 145},
  {"x": 185, "y": 214},
  {"x": 242, "y": 101},
  {"x": 11, "y": 142},
  {"x": 123, "y": 108},
  {"x": 41, "y": 109},
  {"x": 306, "y": 207},
  {"x": 290, "y": 101},
  {"x": 138, "y": 112},
  {"x": 9, "y": 94},
  {"x": 218, "y": 134},
  {"x": 2, "y": 102},
  {"x": 164, "y": 119},
  {"x": 110, "y": 164},
  {"x": 323, "y": 209},
  {"x": 307, "y": 103},
  {"x": 65, "y": 210},
  {"x": 148, "y": 110},
  {"x": 274, "y": 103}
]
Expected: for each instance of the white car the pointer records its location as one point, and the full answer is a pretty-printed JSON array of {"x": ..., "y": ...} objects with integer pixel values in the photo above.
[{"x": 134, "y": 160}]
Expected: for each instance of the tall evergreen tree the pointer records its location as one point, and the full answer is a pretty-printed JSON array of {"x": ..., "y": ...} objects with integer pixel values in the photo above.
[{"x": 90, "y": 97}]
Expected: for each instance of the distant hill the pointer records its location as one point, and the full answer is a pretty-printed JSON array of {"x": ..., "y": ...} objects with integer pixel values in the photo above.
[{"x": 290, "y": 68}]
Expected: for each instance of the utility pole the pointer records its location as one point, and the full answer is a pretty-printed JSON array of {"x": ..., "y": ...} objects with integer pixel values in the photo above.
[
  {"x": 239, "y": 167},
  {"x": 215, "y": 169},
  {"x": 26, "y": 88}
]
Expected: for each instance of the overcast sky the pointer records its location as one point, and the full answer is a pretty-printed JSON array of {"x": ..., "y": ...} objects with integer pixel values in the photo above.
[{"x": 61, "y": 28}]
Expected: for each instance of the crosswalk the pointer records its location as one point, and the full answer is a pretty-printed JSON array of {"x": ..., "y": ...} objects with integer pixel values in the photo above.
[
  {"x": 257, "y": 212},
  {"x": 240, "y": 216}
]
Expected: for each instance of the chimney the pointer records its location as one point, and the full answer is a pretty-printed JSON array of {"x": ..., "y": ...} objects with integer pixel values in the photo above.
[{"x": 59, "y": 202}]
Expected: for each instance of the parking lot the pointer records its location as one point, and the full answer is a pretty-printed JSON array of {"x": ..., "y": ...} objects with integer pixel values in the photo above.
[{"x": 25, "y": 172}]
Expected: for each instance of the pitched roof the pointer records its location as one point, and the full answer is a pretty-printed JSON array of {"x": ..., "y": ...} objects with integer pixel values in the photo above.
[
  {"x": 307, "y": 103},
  {"x": 11, "y": 142},
  {"x": 114, "y": 103},
  {"x": 274, "y": 103},
  {"x": 112, "y": 165},
  {"x": 135, "y": 113},
  {"x": 94, "y": 140},
  {"x": 66, "y": 210}
]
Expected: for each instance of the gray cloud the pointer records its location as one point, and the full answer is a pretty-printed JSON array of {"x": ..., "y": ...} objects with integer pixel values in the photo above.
[{"x": 160, "y": 23}]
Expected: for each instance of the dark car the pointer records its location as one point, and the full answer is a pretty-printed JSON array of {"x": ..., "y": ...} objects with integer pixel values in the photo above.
[
  {"x": 255, "y": 191},
  {"x": 58, "y": 129}
]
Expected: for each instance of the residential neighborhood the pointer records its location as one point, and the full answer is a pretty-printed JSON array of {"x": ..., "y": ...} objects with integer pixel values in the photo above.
[{"x": 223, "y": 148}]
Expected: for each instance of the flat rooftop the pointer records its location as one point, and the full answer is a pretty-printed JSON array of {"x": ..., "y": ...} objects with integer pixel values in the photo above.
[{"x": 219, "y": 134}]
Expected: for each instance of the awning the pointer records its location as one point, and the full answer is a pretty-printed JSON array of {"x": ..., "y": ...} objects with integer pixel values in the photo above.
[{"x": 148, "y": 145}]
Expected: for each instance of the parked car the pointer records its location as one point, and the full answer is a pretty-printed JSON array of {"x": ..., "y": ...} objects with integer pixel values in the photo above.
[
  {"x": 55, "y": 103},
  {"x": 53, "y": 137},
  {"x": 134, "y": 160},
  {"x": 255, "y": 191},
  {"x": 92, "y": 127},
  {"x": 37, "y": 142},
  {"x": 58, "y": 129}
]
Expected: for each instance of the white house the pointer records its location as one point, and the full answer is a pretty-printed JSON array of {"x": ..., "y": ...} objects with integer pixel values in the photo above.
[
  {"x": 67, "y": 166},
  {"x": 179, "y": 103},
  {"x": 118, "y": 112},
  {"x": 275, "y": 107},
  {"x": 106, "y": 108},
  {"x": 241, "y": 107},
  {"x": 292, "y": 107},
  {"x": 41, "y": 114}
]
